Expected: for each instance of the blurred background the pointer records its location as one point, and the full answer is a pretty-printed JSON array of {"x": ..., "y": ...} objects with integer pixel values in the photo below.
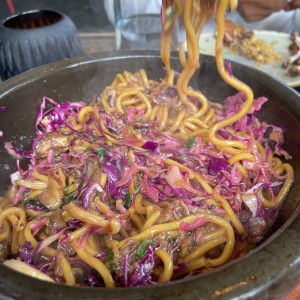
[
  {"x": 89, "y": 17},
  {"x": 94, "y": 22}
]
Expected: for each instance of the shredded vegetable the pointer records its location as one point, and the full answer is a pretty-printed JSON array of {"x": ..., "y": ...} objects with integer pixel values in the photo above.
[{"x": 131, "y": 187}]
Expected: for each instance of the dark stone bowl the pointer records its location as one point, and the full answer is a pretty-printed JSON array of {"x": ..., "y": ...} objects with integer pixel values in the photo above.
[
  {"x": 34, "y": 38},
  {"x": 268, "y": 272}
]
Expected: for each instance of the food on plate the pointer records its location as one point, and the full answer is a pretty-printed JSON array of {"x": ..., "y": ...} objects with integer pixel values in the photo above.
[
  {"x": 245, "y": 43},
  {"x": 148, "y": 183},
  {"x": 292, "y": 64}
]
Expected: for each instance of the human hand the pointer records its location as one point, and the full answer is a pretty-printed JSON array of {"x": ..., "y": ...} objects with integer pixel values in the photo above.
[
  {"x": 255, "y": 10},
  {"x": 294, "y": 4}
]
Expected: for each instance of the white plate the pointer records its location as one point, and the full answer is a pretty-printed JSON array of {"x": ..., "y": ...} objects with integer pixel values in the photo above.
[{"x": 280, "y": 41}]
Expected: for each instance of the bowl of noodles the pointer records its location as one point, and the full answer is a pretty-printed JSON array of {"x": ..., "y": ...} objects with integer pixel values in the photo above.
[
  {"x": 63, "y": 89},
  {"x": 141, "y": 175}
]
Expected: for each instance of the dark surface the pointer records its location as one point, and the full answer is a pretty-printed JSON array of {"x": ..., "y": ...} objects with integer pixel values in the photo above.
[
  {"x": 264, "y": 274},
  {"x": 88, "y": 15}
]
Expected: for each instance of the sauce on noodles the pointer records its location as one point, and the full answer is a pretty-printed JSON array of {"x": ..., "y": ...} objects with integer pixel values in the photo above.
[{"x": 150, "y": 182}]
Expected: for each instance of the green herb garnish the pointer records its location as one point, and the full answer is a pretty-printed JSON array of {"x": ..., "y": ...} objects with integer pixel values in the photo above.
[
  {"x": 127, "y": 201},
  {"x": 142, "y": 248},
  {"x": 108, "y": 98},
  {"x": 32, "y": 203},
  {"x": 111, "y": 266},
  {"x": 110, "y": 263},
  {"x": 191, "y": 142},
  {"x": 110, "y": 255},
  {"x": 68, "y": 197},
  {"x": 101, "y": 152}
]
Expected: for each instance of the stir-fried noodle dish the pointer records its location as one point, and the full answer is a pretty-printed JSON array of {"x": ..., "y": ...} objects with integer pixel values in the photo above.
[{"x": 150, "y": 182}]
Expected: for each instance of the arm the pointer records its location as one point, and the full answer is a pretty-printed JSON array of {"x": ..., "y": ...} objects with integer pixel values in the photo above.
[{"x": 255, "y": 10}]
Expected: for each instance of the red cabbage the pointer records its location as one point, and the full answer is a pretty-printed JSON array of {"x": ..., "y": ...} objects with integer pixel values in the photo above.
[
  {"x": 26, "y": 253},
  {"x": 216, "y": 165},
  {"x": 134, "y": 169},
  {"x": 167, "y": 94},
  {"x": 150, "y": 145},
  {"x": 94, "y": 279},
  {"x": 251, "y": 198},
  {"x": 89, "y": 191},
  {"x": 179, "y": 183},
  {"x": 142, "y": 273},
  {"x": 48, "y": 121},
  {"x": 125, "y": 270},
  {"x": 101, "y": 255},
  {"x": 113, "y": 175},
  {"x": 45, "y": 243},
  {"x": 34, "y": 205},
  {"x": 133, "y": 112},
  {"x": 185, "y": 226},
  {"x": 75, "y": 223},
  {"x": 17, "y": 153},
  {"x": 228, "y": 67},
  {"x": 150, "y": 190},
  {"x": 38, "y": 225}
]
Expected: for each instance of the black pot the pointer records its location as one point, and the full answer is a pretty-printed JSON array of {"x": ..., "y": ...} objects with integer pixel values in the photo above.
[
  {"x": 34, "y": 38},
  {"x": 268, "y": 272}
]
